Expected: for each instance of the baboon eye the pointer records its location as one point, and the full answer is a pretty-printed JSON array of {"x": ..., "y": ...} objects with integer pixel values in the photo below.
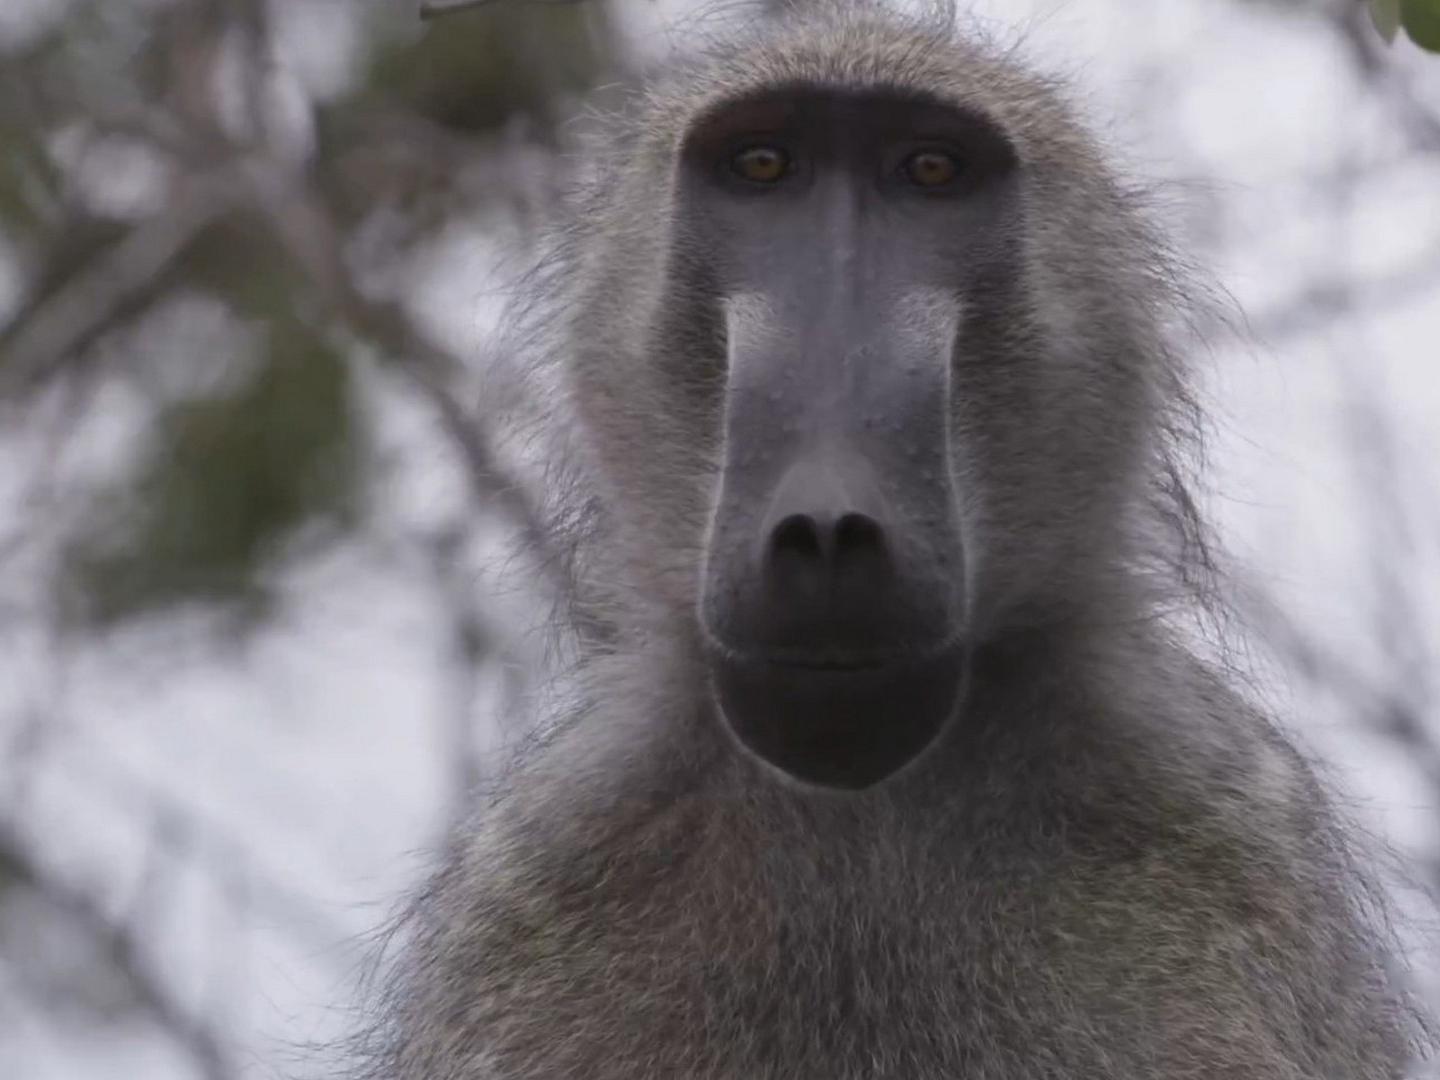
[
  {"x": 931, "y": 168},
  {"x": 761, "y": 164}
]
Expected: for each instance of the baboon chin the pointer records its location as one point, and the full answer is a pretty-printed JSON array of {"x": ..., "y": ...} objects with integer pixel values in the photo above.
[{"x": 883, "y": 759}]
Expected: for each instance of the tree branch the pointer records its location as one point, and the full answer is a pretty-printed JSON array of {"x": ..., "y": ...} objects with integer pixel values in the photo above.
[
  {"x": 59, "y": 323},
  {"x": 122, "y": 946},
  {"x": 305, "y": 226}
]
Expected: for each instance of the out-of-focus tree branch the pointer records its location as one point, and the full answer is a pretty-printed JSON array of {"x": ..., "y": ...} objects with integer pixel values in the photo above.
[
  {"x": 260, "y": 221},
  {"x": 307, "y": 227},
  {"x": 1315, "y": 305},
  {"x": 245, "y": 177},
  {"x": 58, "y": 325},
  {"x": 1367, "y": 52},
  {"x": 124, "y": 949}
]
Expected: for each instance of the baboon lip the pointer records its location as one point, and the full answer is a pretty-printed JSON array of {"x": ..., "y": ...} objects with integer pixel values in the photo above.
[
  {"x": 822, "y": 663},
  {"x": 831, "y": 665},
  {"x": 783, "y": 660}
]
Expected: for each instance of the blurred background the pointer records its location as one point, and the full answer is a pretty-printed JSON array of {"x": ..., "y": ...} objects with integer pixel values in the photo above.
[{"x": 267, "y": 612}]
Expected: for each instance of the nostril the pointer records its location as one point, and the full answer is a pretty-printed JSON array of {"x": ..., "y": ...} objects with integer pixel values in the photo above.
[
  {"x": 858, "y": 534},
  {"x": 797, "y": 536}
]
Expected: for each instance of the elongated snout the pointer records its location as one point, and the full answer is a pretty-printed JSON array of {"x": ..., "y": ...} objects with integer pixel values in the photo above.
[{"x": 833, "y": 597}]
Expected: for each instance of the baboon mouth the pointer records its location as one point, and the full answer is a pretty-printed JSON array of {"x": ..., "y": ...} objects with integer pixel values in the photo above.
[
  {"x": 843, "y": 722},
  {"x": 846, "y": 663},
  {"x": 897, "y": 658}
]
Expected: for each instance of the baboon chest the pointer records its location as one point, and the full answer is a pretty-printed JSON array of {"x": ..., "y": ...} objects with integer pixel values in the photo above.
[{"x": 876, "y": 972}]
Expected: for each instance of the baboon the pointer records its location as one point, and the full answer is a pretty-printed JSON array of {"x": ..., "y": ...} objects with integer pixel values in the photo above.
[{"x": 888, "y": 759}]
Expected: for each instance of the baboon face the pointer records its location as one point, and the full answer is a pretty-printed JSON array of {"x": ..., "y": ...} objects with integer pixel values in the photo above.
[
  {"x": 867, "y": 349},
  {"x": 843, "y": 236}
]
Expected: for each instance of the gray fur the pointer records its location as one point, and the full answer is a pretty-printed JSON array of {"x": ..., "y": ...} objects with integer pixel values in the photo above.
[{"x": 1112, "y": 867}]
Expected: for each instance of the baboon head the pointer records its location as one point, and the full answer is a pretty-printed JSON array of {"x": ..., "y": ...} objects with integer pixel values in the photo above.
[{"x": 868, "y": 356}]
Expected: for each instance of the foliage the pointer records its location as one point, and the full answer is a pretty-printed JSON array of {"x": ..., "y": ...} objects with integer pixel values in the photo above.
[
  {"x": 1420, "y": 19},
  {"x": 228, "y": 482},
  {"x": 475, "y": 70},
  {"x": 224, "y": 482}
]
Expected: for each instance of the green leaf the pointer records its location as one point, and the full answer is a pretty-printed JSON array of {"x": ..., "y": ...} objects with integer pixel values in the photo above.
[
  {"x": 1421, "y": 19},
  {"x": 476, "y": 69},
  {"x": 1386, "y": 16},
  {"x": 227, "y": 480}
]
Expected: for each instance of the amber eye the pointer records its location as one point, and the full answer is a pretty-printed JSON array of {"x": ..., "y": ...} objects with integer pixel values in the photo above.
[
  {"x": 931, "y": 168},
  {"x": 761, "y": 164}
]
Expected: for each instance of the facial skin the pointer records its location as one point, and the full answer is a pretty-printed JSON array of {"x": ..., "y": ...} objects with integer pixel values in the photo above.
[{"x": 843, "y": 235}]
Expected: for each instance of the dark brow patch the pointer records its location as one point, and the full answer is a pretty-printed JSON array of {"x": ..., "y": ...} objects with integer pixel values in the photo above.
[{"x": 801, "y": 106}]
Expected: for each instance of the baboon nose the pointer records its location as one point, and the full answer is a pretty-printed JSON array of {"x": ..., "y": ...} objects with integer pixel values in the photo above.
[
  {"x": 828, "y": 569},
  {"x": 818, "y": 550}
]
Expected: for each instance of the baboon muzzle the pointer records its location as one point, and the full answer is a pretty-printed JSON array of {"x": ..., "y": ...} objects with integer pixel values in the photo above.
[{"x": 832, "y": 599}]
